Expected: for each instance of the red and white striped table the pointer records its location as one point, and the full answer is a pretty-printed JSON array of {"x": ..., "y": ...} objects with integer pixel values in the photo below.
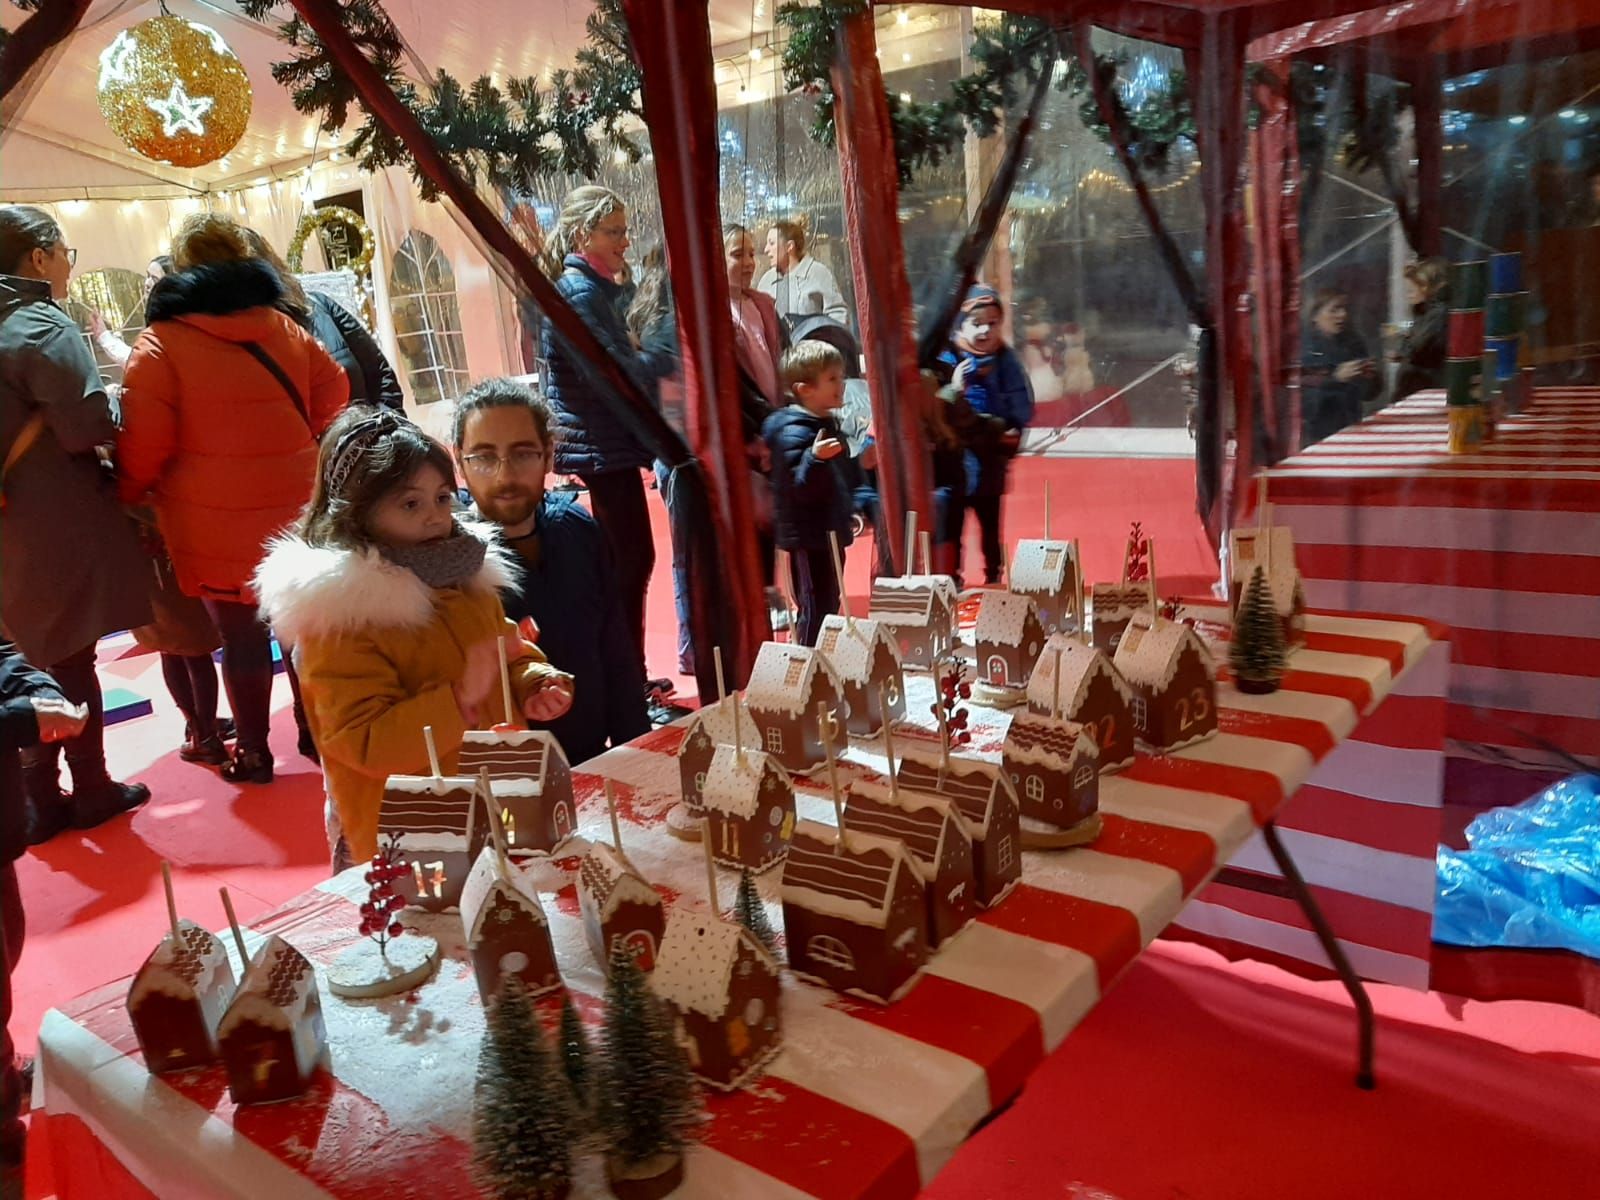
[
  {"x": 1502, "y": 546},
  {"x": 862, "y": 1102}
]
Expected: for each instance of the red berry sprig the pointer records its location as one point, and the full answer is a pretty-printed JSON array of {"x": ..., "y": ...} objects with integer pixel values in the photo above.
[
  {"x": 1138, "y": 566},
  {"x": 379, "y": 915},
  {"x": 953, "y": 689}
]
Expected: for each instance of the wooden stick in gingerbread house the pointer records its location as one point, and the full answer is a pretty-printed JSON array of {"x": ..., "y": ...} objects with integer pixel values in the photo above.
[
  {"x": 180, "y": 993},
  {"x": 749, "y": 802},
  {"x": 1046, "y": 571},
  {"x": 1054, "y": 766},
  {"x": 1270, "y": 547},
  {"x": 618, "y": 905},
  {"x": 1112, "y": 606},
  {"x": 1079, "y": 683},
  {"x": 723, "y": 990},
  {"x": 787, "y": 684},
  {"x": 503, "y": 919},
  {"x": 710, "y": 727},
  {"x": 1174, "y": 681},
  {"x": 433, "y": 820}
]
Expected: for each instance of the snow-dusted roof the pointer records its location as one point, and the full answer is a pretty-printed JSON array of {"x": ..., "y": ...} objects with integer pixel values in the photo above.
[
  {"x": 276, "y": 990},
  {"x": 1151, "y": 649},
  {"x": 781, "y": 679},
  {"x": 717, "y": 720},
  {"x": 1114, "y": 601},
  {"x": 1042, "y": 568},
  {"x": 197, "y": 964},
  {"x": 485, "y": 885},
  {"x": 694, "y": 967},
  {"x": 851, "y": 646},
  {"x": 609, "y": 879},
  {"x": 918, "y": 820},
  {"x": 1248, "y": 550},
  {"x": 853, "y": 881},
  {"x": 422, "y": 807},
  {"x": 1003, "y": 618},
  {"x": 734, "y": 788},
  {"x": 1047, "y": 742},
  {"x": 970, "y": 783},
  {"x": 1080, "y": 666},
  {"x": 518, "y": 754},
  {"x": 910, "y": 600}
]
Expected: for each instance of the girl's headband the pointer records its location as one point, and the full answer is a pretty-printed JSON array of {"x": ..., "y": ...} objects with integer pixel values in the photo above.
[{"x": 352, "y": 445}]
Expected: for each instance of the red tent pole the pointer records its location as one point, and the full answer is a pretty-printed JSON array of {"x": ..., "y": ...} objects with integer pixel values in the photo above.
[
  {"x": 1427, "y": 101},
  {"x": 673, "y": 44},
  {"x": 883, "y": 291},
  {"x": 1275, "y": 240}
]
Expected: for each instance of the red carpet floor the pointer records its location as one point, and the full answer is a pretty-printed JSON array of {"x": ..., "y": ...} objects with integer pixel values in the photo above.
[{"x": 1194, "y": 1079}]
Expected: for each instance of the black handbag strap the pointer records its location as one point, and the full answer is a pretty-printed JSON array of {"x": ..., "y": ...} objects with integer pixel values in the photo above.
[{"x": 255, "y": 351}]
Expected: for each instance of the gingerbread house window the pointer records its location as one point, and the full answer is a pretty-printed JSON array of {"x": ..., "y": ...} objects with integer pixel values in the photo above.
[
  {"x": 1083, "y": 777},
  {"x": 700, "y": 781},
  {"x": 1006, "y": 854},
  {"x": 774, "y": 740},
  {"x": 831, "y": 952},
  {"x": 797, "y": 668},
  {"x": 893, "y": 694},
  {"x": 754, "y": 1011},
  {"x": 1035, "y": 788},
  {"x": 1141, "y": 714}
]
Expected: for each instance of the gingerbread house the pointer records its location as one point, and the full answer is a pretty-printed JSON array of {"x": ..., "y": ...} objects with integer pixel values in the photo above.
[
  {"x": 506, "y": 930},
  {"x": 1054, "y": 766},
  {"x": 1007, "y": 639},
  {"x": 920, "y": 613},
  {"x": 709, "y": 728},
  {"x": 867, "y": 662},
  {"x": 272, "y": 1037},
  {"x": 177, "y": 998},
  {"x": 1174, "y": 681},
  {"x": 786, "y": 685},
  {"x": 532, "y": 784},
  {"x": 723, "y": 990},
  {"x": 1112, "y": 606},
  {"x": 854, "y": 915},
  {"x": 984, "y": 797},
  {"x": 749, "y": 803},
  {"x": 1044, "y": 571},
  {"x": 1089, "y": 692},
  {"x": 619, "y": 907},
  {"x": 936, "y": 836},
  {"x": 1249, "y": 549},
  {"x": 439, "y": 826}
]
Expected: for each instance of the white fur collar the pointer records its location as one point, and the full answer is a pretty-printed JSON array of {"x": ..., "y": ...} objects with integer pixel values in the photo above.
[{"x": 318, "y": 591}]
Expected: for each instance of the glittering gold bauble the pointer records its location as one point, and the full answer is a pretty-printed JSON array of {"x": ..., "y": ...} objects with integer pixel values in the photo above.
[
  {"x": 172, "y": 90},
  {"x": 334, "y": 214}
]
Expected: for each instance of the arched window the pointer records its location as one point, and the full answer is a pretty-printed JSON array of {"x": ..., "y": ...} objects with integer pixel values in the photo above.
[
  {"x": 427, "y": 320},
  {"x": 831, "y": 952},
  {"x": 1034, "y": 788},
  {"x": 117, "y": 294},
  {"x": 1083, "y": 777}
]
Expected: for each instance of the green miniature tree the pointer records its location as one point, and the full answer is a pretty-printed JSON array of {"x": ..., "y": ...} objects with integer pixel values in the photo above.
[
  {"x": 747, "y": 907},
  {"x": 645, "y": 1099},
  {"x": 1258, "y": 654},
  {"x": 523, "y": 1120}
]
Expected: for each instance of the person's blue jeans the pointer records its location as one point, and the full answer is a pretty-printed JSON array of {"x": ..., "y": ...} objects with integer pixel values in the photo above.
[{"x": 680, "y": 586}]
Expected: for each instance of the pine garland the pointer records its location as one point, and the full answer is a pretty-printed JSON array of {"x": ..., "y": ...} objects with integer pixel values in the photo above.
[
  {"x": 646, "y": 1100},
  {"x": 523, "y": 1124},
  {"x": 752, "y": 914},
  {"x": 1257, "y": 653}
]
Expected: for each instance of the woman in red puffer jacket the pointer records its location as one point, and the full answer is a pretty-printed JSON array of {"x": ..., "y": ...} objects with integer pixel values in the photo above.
[{"x": 223, "y": 401}]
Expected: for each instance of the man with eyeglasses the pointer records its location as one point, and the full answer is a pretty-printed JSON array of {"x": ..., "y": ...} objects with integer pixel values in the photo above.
[{"x": 569, "y": 589}]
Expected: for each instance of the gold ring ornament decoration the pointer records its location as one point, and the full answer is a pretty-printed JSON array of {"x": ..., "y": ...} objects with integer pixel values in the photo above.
[
  {"x": 174, "y": 91},
  {"x": 334, "y": 214}
]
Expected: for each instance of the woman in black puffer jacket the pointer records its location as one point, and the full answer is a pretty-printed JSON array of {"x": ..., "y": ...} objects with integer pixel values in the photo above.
[{"x": 585, "y": 256}]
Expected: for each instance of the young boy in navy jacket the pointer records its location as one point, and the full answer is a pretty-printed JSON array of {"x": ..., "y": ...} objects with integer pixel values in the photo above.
[{"x": 811, "y": 479}]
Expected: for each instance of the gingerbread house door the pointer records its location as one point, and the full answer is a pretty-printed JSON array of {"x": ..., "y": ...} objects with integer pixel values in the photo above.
[
  {"x": 563, "y": 819},
  {"x": 999, "y": 675},
  {"x": 642, "y": 946}
]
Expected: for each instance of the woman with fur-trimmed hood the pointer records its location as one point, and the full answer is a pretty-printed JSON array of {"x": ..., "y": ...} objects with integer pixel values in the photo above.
[{"x": 393, "y": 607}]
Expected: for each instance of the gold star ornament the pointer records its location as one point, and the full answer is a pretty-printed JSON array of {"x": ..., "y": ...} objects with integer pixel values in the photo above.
[{"x": 174, "y": 92}]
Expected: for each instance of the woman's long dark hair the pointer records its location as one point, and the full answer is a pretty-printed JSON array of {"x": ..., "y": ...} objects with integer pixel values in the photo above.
[
  {"x": 366, "y": 454},
  {"x": 24, "y": 229}
]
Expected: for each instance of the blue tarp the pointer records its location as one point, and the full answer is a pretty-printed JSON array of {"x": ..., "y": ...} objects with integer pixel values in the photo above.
[{"x": 1532, "y": 876}]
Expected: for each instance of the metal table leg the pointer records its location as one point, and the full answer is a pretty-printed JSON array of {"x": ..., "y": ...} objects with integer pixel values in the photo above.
[{"x": 1330, "y": 944}]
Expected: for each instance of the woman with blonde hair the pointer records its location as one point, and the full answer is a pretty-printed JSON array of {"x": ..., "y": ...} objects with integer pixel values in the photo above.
[
  {"x": 1421, "y": 352},
  {"x": 586, "y": 256},
  {"x": 223, "y": 401}
]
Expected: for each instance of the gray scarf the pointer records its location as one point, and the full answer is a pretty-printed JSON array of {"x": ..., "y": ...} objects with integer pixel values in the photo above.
[{"x": 453, "y": 562}]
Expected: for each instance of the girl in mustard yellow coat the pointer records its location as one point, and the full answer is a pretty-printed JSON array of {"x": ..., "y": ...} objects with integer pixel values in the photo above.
[{"x": 392, "y": 606}]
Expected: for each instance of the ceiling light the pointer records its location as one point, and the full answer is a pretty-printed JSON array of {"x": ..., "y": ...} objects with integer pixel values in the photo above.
[
  {"x": 906, "y": 57},
  {"x": 1519, "y": 120},
  {"x": 755, "y": 53},
  {"x": 1569, "y": 114},
  {"x": 903, "y": 17}
]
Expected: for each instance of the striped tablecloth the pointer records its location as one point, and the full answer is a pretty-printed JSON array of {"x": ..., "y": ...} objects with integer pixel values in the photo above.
[
  {"x": 1503, "y": 546},
  {"x": 863, "y": 1101}
]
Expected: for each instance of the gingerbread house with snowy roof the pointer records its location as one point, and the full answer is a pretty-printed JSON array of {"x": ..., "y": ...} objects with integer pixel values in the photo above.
[
  {"x": 177, "y": 998},
  {"x": 867, "y": 662},
  {"x": 1272, "y": 549},
  {"x": 532, "y": 783},
  {"x": 506, "y": 930},
  {"x": 1174, "y": 681},
  {"x": 936, "y": 836},
  {"x": 749, "y": 803},
  {"x": 854, "y": 915},
  {"x": 1112, "y": 606},
  {"x": 1054, "y": 765},
  {"x": 1089, "y": 692},
  {"x": 920, "y": 613},
  {"x": 723, "y": 990},
  {"x": 272, "y": 1037},
  {"x": 438, "y": 824},
  {"x": 619, "y": 908},
  {"x": 709, "y": 728},
  {"x": 1045, "y": 571},
  {"x": 786, "y": 685},
  {"x": 1007, "y": 639},
  {"x": 984, "y": 797}
]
